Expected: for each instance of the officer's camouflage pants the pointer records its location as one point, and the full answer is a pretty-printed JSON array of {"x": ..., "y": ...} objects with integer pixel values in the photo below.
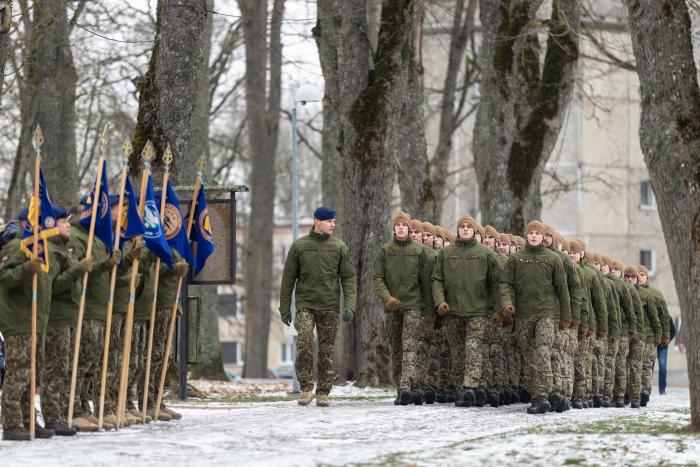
[
  {"x": 14, "y": 406},
  {"x": 89, "y": 365},
  {"x": 403, "y": 328},
  {"x": 623, "y": 349},
  {"x": 610, "y": 360},
  {"x": 514, "y": 357},
  {"x": 537, "y": 335},
  {"x": 57, "y": 372},
  {"x": 571, "y": 346},
  {"x": 634, "y": 370},
  {"x": 589, "y": 365},
  {"x": 160, "y": 336},
  {"x": 468, "y": 350},
  {"x": 648, "y": 366},
  {"x": 580, "y": 368},
  {"x": 326, "y": 325},
  {"x": 498, "y": 358},
  {"x": 445, "y": 361},
  {"x": 137, "y": 363},
  {"x": 559, "y": 361},
  {"x": 428, "y": 358},
  {"x": 598, "y": 366},
  {"x": 114, "y": 364}
]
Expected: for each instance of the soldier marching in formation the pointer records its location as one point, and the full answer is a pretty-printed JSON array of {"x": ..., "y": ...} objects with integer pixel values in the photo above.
[{"x": 480, "y": 317}]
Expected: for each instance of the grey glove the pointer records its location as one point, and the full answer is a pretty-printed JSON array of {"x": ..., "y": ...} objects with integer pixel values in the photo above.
[
  {"x": 348, "y": 315},
  {"x": 286, "y": 317}
]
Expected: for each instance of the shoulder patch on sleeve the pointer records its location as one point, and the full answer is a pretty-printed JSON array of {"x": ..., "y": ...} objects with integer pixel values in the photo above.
[{"x": 5, "y": 258}]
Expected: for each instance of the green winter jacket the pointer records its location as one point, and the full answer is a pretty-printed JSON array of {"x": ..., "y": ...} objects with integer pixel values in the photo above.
[
  {"x": 432, "y": 259},
  {"x": 144, "y": 290},
  {"x": 628, "y": 318},
  {"x": 597, "y": 310},
  {"x": 572, "y": 282},
  {"x": 466, "y": 276},
  {"x": 402, "y": 270},
  {"x": 121, "y": 289},
  {"x": 66, "y": 275},
  {"x": 585, "y": 296},
  {"x": 167, "y": 284},
  {"x": 97, "y": 291},
  {"x": 534, "y": 283},
  {"x": 638, "y": 311},
  {"x": 318, "y": 265},
  {"x": 652, "y": 326},
  {"x": 16, "y": 292},
  {"x": 662, "y": 308},
  {"x": 613, "y": 307}
]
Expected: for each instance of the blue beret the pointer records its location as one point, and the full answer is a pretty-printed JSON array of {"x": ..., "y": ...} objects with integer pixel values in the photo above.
[
  {"x": 83, "y": 200},
  {"x": 114, "y": 200},
  {"x": 23, "y": 214},
  {"x": 60, "y": 213},
  {"x": 324, "y": 214}
]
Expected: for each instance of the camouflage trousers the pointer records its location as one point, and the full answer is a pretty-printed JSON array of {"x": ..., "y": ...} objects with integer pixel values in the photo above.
[
  {"x": 428, "y": 357},
  {"x": 469, "y": 350},
  {"x": 623, "y": 349},
  {"x": 137, "y": 364},
  {"x": 497, "y": 357},
  {"x": 403, "y": 328},
  {"x": 513, "y": 356},
  {"x": 571, "y": 347},
  {"x": 14, "y": 405},
  {"x": 648, "y": 366},
  {"x": 589, "y": 365},
  {"x": 559, "y": 361},
  {"x": 634, "y": 370},
  {"x": 57, "y": 373},
  {"x": 610, "y": 361},
  {"x": 89, "y": 365},
  {"x": 326, "y": 325},
  {"x": 160, "y": 336},
  {"x": 537, "y": 334},
  {"x": 445, "y": 360},
  {"x": 581, "y": 367},
  {"x": 114, "y": 362},
  {"x": 598, "y": 365}
]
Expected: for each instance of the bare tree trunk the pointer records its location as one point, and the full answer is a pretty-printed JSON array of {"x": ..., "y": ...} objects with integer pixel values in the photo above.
[
  {"x": 460, "y": 33},
  {"x": 522, "y": 105},
  {"x": 411, "y": 151},
  {"x": 670, "y": 138},
  {"x": 369, "y": 143},
  {"x": 263, "y": 123},
  {"x": 5, "y": 23}
]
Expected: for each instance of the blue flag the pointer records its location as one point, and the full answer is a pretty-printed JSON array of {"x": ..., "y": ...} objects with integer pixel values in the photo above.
[
  {"x": 131, "y": 221},
  {"x": 103, "y": 221},
  {"x": 201, "y": 233},
  {"x": 46, "y": 217},
  {"x": 154, "y": 235},
  {"x": 175, "y": 227}
]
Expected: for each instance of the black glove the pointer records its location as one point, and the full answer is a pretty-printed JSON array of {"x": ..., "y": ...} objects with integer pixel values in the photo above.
[
  {"x": 348, "y": 315},
  {"x": 286, "y": 317}
]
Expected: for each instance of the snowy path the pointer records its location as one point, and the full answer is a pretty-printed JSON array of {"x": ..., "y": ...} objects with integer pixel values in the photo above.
[{"x": 372, "y": 432}]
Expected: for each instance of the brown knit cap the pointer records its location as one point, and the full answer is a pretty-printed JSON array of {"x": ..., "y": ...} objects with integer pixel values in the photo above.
[
  {"x": 535, "y": 225},
  {"x": 576, "y": 247},
  {"x": 557, "y": 239},
  {"x": 428, "y": 228},
  {"x": 503, "y": 238},
  {"x": 440, "y": 232},
  {"x": 607, "y": 260},
  {"x": 616, "y": 265},
  {"x": 565, "y": 244},
  {"x": 643, "y": 269},
  {"x": 631, "y": 271},
  {"x": 480, "y": 229},
  {"x": 415, "y": 224},
  {"x": 466, "y": 218},
  {"x": 582, "y": 243},
  {"x": 549, "y": 230},
  {"x": 519, "y": 241},
  {"x": 400, "y": 217},
  {"x": 450, "y": 236},
  {"x": 592, "y": 256},
  {"x": 488, "y": 230}
]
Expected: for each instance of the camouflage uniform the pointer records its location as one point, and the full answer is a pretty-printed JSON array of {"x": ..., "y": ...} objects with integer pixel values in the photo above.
[
  {"x": 537, "y": 334},
  {"x": 648, "y": 366},
  {"x": 610, "y": 362},
  {"x": 623, "y": 350},
  {"x": 634, "y": 370},
  {"x": 89, "y": 365},
  {"x": 326, "y": 324},
  {"x": 428, "y": 357},
  {"x": 114, "y": 363},
  {"x": 55, "y": 389},
  {"x": 137, "y": 363},
  {"x": 598, "y": 365},
  {"x": 403, "y": 327},
  {"x": 15, "y": 390},
  {"x": 160, "y": 335}
]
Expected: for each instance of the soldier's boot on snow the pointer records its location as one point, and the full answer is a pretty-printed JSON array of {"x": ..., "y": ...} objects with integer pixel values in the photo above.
[
  {"x": 514, "y": 397},
  {"x": 590, "y": 402},
  {"x": 441, "y": 397},
  {"x": 556, "y": 402},
  {"x": 567, "y": 405},
  {"x": 84, "y": 425},
  {"x": 16, "y": 434},
  {"x": 523, "y": 395},
  {"x": 606, "y": 402},
  {"x": 585, "y": 403},
  {"x": 61, "y": 428},
  {"x": 619, "y": 402},
  {"x": 429, "y": 396},
  {"x": 322, "y": 400},
  {"x": 417, "y": 398},
  {"x": 109, "y": 422},
  {"x": 493, "y": 399},
  {"x": 627, "y": 399},
  {"x": 133, "y": 420},
  {"x": 304, "y": 398},
  {"x": 139, "y": 415},
  {"x": 467, "y": 399},
  {"x": 451, "y": 397},
  {"x": 634, "y": 404},
  {"x": 43, "y": 433},
  {"x": 405, "y": 397},
  {"x": 174, "y": 415},
  {"x": 598, "y": 402},
  {"x": 577, "y": 403},
  {"x": 539, "y": 406},
  {"x": 644, "y": 399},
  {"x": 397, "y": 401},
  {"x": 164, "y": 417},
  {"x": 480, "y": 394}
]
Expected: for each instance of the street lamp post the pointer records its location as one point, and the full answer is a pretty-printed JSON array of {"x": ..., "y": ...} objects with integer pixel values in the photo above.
[{"x": 304, "y": 94}]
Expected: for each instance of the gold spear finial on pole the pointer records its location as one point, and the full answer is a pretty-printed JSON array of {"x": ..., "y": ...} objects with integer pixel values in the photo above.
[
  {"x": 167, "y": 157},
  {"x": 147, "y": 153},
  {"x": 38, "y": 139}
]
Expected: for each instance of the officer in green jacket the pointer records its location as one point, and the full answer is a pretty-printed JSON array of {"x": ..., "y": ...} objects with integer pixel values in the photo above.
[
  {"x": 465, "y": 289},
  {"x": 614, "y": 329},
  {"x": 401, "y": 279},
  {"x": 583, "y": 349},
  {"x": 637, "y": 344},
  {"x": 534, "y": 290},
  {"x": 317, "y": 265},
  {"x": 653, "y": 332},
  {"x": 510, "y": 360},
  {"x": 16, "y": 271},
  {"x": 628, "y": 332}
]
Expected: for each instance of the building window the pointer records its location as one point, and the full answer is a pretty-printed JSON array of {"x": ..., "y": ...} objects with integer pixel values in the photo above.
[
  {"x": 233, "y": 353},
  {"x": 647, "y": 198},
  {"x": 287, "y": 352},
  {"x": 231, "y": 306},
  {"x": 648, "y": 258},
  {"x": 240, "y": 306}
]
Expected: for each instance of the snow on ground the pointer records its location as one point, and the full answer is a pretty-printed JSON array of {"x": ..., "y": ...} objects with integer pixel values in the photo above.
[{"x": 363, "y": 427}]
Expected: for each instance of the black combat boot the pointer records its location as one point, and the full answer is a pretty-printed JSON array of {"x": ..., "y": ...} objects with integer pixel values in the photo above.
[
  {"x": 577, "y": 403},
  {"x": 619, "y": 402},
  {"x": 634, "y": 405},
  {"x": 606, "y": 402},
  {"x": 417, "y": 398},
  {"x": 556, "y": 402},
  {"x": 429, "y": 396},
  {"x": 504, "y": 398},
  {"x": 524, "y": 395},
  {"x": 61, "y": 428},
  {"x": 539, "y": 406},
  {"x": 451, "y": 397},
  {"x": 43, "y": 433},
  {"x": 567, "y": 405},
  {"x": 480, "y": 394},
  {"x": 514, "y": 397},
  {"x": 16, "y": 434},
  {"x": 405, "y": 397},
  {"x": 598, "y": 402},
  {"x": 467, "y": 399},
  {"x": 493, "y": 399},
  {"x": 644, "y": 398},
  {"x": 627, "y": 399},
  {"x": 441, "y": 397}
]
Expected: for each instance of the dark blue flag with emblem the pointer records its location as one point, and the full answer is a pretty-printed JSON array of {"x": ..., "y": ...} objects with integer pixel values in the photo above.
[
  {"x": 201, "y": 233},
  {"x": 175, "y": 228},
  {"x": 154, "y": 235},
  {"x": 103, "y": 220},
  {"x": 45, "y": 215},
  {"x": 132, "y": 226}
]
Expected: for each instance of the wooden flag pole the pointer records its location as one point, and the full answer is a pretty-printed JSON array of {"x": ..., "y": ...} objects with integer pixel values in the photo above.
[
  {"x": 38, "y": 140},
  {"x": 171, "y": 328},
  {"x": 110, "y": 302},
  {"x": 81, "y": 307},
  {"x": 126, "y": 354}
]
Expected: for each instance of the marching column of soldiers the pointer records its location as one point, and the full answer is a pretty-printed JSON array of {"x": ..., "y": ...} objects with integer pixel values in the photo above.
[
  {"x": 481, "y": 318},
  {"x": 59, "y": 293}
]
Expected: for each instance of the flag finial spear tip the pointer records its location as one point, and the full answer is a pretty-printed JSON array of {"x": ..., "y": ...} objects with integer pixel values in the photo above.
[
  {"x": 127, "y": 148},
  {"x": 202, "y": 162},
  {"x": 168, "y": 156},
  {"x": 38, "y": 138},
  {"x": 104, "y": 139},
  {"x": 147, "y": 153}
]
